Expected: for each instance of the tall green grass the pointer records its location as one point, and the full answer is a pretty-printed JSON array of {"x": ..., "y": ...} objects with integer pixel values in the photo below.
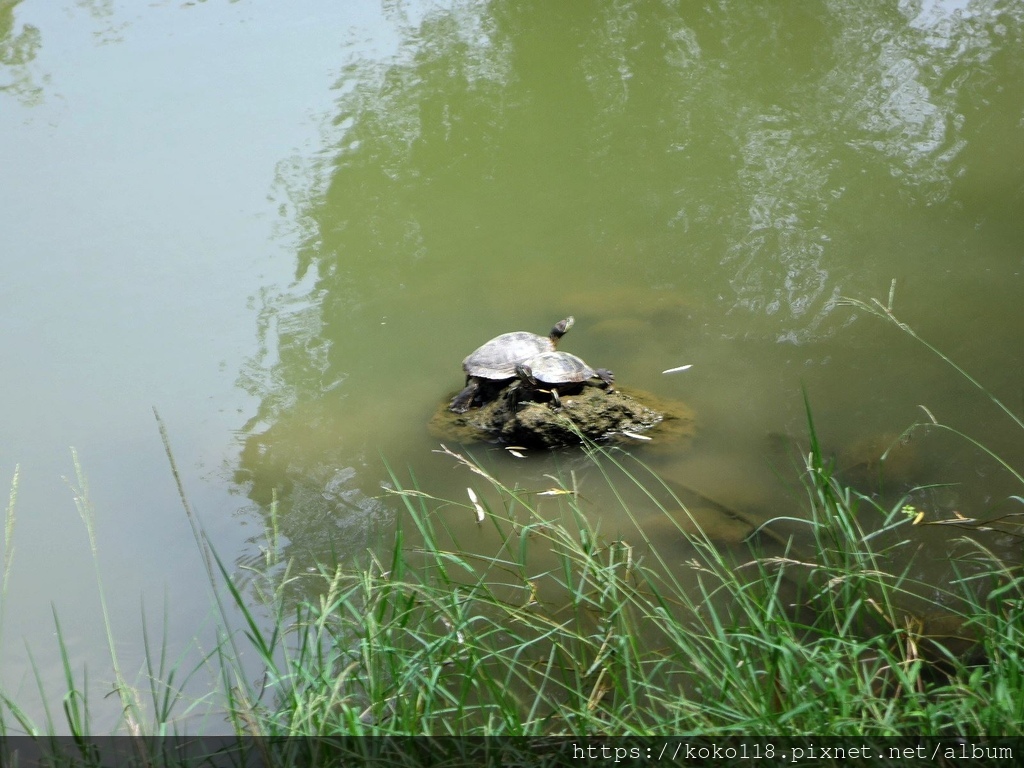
[
  {"x": 150, "y": 704},
  {"x": 440, "y": 640}
]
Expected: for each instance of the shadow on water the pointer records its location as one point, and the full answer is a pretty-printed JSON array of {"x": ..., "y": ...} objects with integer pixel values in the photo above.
[{"x": 694, "y": 185}]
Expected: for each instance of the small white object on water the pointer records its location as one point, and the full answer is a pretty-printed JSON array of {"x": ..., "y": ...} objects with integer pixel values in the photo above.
[
  {"x": 449, "y": 626},
  {"x": 635, "y": 436},
  {"x": 480, "y": 515},
  {"x": 677, "y": 370},
  {"x": 515, "y": 451}
]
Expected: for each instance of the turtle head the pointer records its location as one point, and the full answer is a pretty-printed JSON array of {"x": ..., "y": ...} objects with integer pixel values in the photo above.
[
  {"x": 524, "y": 372},
  {"x": 560, "y": 328},
  {"x": 607, "y": 377}
]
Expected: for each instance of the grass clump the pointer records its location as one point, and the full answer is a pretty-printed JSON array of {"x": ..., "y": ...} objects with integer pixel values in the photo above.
[{"x": 827, "y": 636}]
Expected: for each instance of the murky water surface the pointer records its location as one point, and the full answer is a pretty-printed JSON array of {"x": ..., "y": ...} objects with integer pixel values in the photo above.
[{"x": 284, "y": 225}]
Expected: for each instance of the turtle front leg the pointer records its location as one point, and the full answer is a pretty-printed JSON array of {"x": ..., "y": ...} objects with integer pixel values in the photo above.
[
  {"x": 513, "y": 394},
  {"x": 556, "y": 399},
  {"x": 462, "y": 401}
]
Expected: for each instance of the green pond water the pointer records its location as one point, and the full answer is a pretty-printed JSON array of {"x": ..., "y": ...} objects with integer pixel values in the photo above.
[{"x": 284, "y": 225}]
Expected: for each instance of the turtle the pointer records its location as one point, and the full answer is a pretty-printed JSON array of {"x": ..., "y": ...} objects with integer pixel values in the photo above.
[
  {"x": 558, "y": 369},
  {"x": 497, "y": 359}
]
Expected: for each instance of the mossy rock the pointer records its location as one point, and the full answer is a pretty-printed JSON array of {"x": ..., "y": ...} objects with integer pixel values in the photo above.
[{"x": 531, "y": 419}]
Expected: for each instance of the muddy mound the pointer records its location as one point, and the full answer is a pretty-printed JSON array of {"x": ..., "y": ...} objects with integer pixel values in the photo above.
[{"x": 533, "y": 420}]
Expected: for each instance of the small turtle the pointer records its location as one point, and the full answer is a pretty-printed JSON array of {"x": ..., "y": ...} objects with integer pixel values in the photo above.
[
  {"x": 497, "y": 359},
  {"x": 558, "y": 369}
]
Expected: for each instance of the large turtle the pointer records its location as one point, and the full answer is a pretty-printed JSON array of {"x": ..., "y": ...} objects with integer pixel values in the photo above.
[
  {"x": 497, "y": 359},
  {"x": 561, "y": 369}
]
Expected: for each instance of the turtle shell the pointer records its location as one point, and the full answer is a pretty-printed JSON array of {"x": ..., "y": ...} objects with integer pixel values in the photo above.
[
  {"x": 559, "y": 368},
  {"x": 498, "y": 358}
]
